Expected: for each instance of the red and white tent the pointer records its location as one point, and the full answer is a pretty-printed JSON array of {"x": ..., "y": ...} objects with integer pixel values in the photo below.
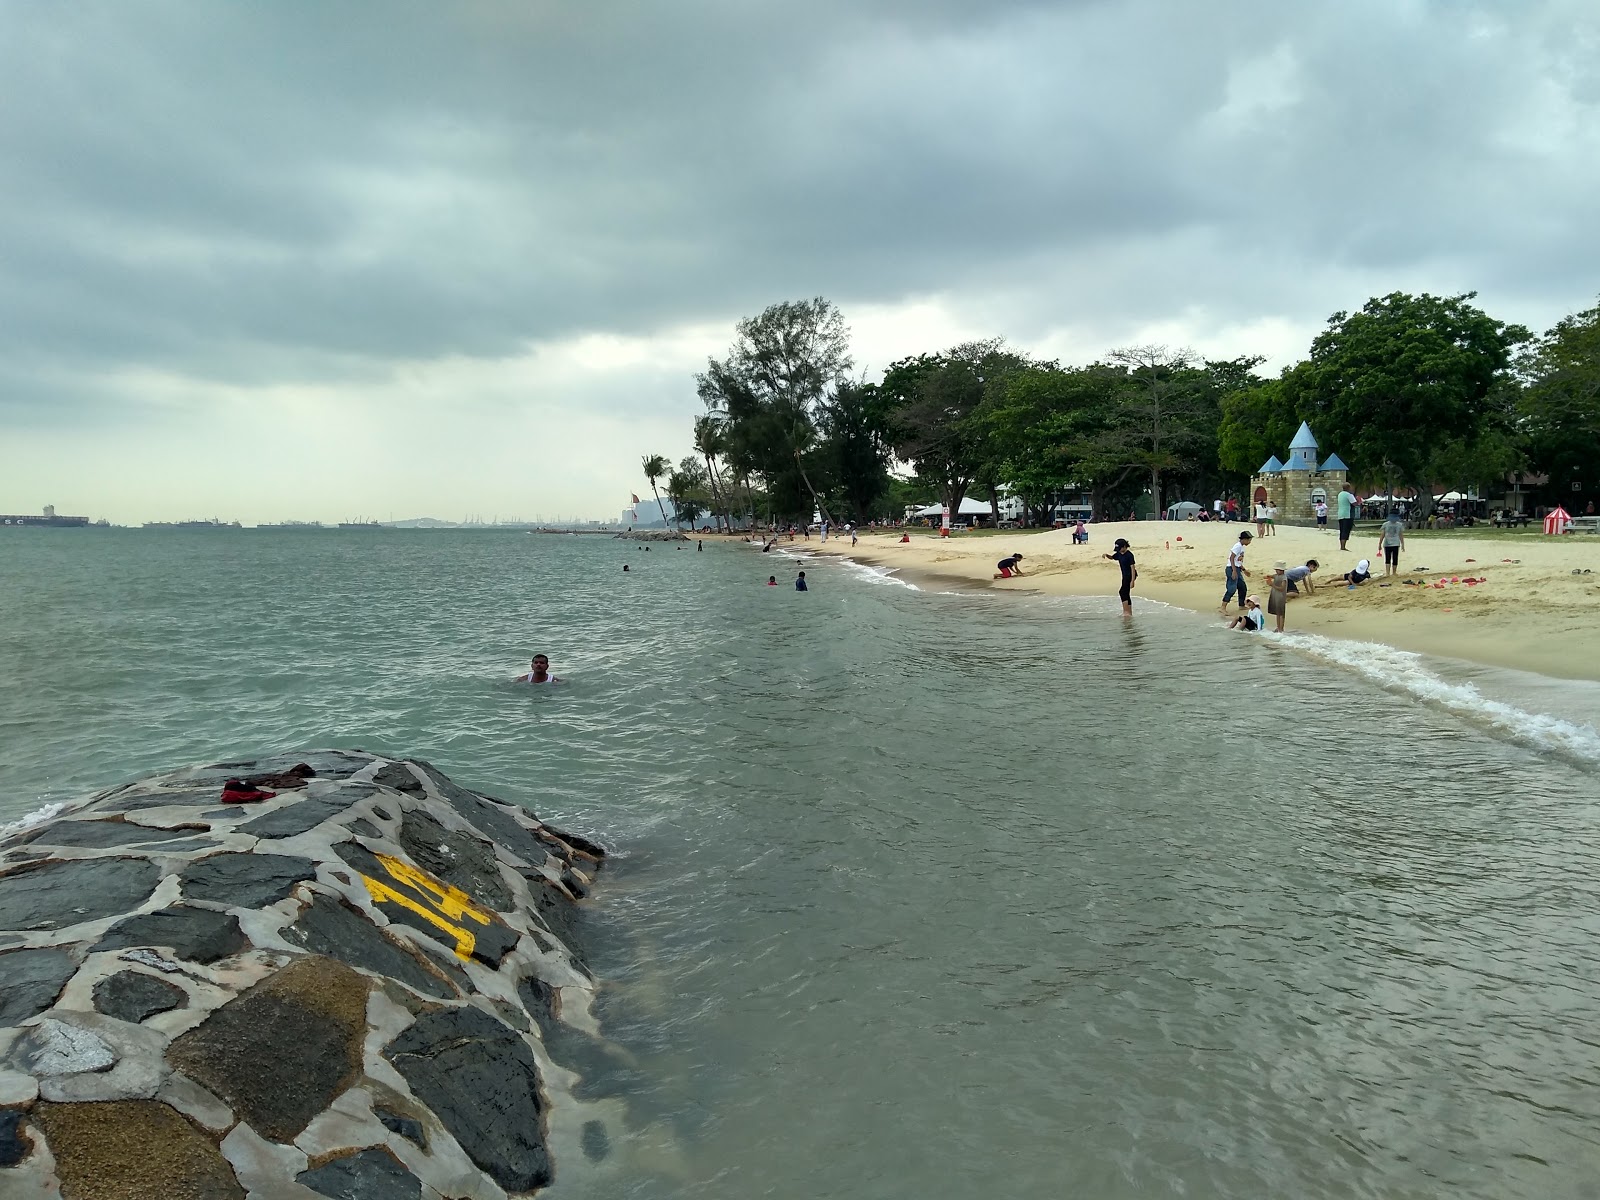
[{"x": 1555, "y": 521}]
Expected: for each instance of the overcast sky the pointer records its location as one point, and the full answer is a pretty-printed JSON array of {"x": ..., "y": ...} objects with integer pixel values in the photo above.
[{"x": 331, "y": 260}]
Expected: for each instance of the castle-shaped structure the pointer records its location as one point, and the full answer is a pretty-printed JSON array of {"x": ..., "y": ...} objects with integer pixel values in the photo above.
[{"x": 1294, "y": 487}]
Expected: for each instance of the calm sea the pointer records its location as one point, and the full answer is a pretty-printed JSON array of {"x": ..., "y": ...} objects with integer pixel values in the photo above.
[{"x": 918, "y": 894}]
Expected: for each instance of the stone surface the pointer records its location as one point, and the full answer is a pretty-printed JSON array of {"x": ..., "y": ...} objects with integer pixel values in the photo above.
[
  {"x": 56, "y": 1048},
  {"x": 14, "y": 1143},
  {"x": 369, "y": 1175},
  {"x": 296, "y": 818},
  {"x": 244, "y": 880},
  {"x": 133, "y": 1150},
  {"x": 54, "y": 895},
  {"x": 196, "y": 934},
  {"x": 492, "y": 939},
  {"x": 101, "y": 835},
  {"x": 331, "y": 927},
  {"x": 480, "y": 1078},
  {"x": 280, "y": 1053},
  {"x": 459, "y": 859},
  {"x": 325, "y": 1027},
  {"x": 30, "y": 981},
  {"x": 133, "y": 996},
  {"x": 407, "y": 1127}
]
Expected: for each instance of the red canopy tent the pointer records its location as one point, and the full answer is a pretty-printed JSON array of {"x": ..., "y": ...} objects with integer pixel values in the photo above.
[{"x": 1555, "y": 521}]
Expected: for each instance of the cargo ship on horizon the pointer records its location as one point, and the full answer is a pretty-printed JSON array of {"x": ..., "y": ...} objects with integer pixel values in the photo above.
[
  {"x": 208, "y": 523},
  {"x": 47, "y": 518}
]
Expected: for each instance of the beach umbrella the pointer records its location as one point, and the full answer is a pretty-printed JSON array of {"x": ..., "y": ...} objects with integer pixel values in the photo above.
[{"x": 1555, "y": 521}]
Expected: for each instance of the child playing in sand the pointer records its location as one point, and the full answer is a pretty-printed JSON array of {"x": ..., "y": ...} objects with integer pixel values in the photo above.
[
  {"x": 1009, "y": 566},
  {"x": 1360, "y": 575},
  {"x": 1249, "y": 621}
]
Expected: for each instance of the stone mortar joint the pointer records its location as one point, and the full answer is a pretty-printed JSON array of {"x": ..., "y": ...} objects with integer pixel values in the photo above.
[{"x": 366, "y": 984}]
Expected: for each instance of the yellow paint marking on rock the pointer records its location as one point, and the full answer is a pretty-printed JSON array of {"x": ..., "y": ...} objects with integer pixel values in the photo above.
[{"x": 440, "y": 904}]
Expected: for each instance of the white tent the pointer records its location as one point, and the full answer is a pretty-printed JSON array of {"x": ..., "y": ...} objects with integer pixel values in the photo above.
[{"x": 969, "y": 508}]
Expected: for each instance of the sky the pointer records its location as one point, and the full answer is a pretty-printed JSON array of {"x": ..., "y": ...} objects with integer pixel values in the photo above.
[{"x": 340, "y": 260}]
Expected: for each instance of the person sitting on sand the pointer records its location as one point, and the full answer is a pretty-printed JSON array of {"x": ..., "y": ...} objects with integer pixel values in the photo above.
[
  {"x": 1249, "y": 621},
  {"x": 539, "y": 671},
  {"x": 1299, "y": 575},
  {"x": 1360, "y": 575},
  {"x": 1080, "y": 535},
  {"x": 1009, "y": 567},
  {"x": 905, "y": 537}
]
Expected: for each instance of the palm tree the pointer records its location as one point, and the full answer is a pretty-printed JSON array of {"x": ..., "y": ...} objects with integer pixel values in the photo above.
[
  {"x": 655, "y": 466},
  {"x": 709, "y": 441}
]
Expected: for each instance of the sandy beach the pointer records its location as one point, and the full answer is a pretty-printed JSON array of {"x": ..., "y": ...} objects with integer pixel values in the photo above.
[{"x": 1531, "y": 612}]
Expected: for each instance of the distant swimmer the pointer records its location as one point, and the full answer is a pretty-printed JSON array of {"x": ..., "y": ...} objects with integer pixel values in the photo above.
[
  {"x": 539, "y": 671},
  {"x": 1009, "y": 566},
  {"x": 772, "y": 581},
  {"x": 624, "y": 566},
  {"x": 800, "y": 582}
]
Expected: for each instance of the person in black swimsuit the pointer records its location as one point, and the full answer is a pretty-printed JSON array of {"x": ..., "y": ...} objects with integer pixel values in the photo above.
[{"x": 1122, "y": 555}]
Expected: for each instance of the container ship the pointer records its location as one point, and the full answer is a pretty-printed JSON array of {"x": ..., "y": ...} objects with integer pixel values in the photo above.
[
  {"x": 208, "y": 523},
  {"x": 49, "y": 517},
  {"x": 292, "y": 525}
]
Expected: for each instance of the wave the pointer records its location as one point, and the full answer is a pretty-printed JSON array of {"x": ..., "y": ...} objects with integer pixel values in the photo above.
[
  {"x": 876, "y": 574},
  {"x": 1406, "y": 673},
  {"x": 37, "y": 817}
]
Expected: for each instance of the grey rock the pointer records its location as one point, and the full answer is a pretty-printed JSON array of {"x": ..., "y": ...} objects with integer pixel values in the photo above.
[
  {"x": 457, "y": 858},
  {"x": 56, "y": 1048},
  {"x": 493, "y": 939},
  {"x": 102, "y": 835},
  {"x": 53, "y": 895},
  {"x": 14, "y": 1145},
  {"x": 30, "y": 981},
  {"x": 281, "y": 1052},
  {"x": 369, "y": 1175},
  {"x": 331, "y": 927},
  {"x": 296, "y": 818},
  {"x": 407, "y": 1127},
  {"x": 481, "y": 1080},
  {"x": 185, "y": 797},
  {"x": 196, "y": 934},
  {"x": 362, "y": 827},
  {"x": 245, "y": 880},
  {"x": 133, "y": 997}
]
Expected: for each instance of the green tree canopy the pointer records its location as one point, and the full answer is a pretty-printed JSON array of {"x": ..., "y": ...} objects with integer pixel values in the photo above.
[
  {"x": 1560, "y": 404},
  {"x": 1392, "y": 384}
]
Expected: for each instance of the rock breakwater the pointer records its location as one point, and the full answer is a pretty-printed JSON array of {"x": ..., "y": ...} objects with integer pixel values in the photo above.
[{"x": 350, "y": 984}]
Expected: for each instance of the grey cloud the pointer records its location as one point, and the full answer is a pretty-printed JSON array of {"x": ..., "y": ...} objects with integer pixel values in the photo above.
[{"x": 260, "y": 193}]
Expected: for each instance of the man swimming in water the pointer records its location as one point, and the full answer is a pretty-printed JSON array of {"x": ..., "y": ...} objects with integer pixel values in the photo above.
[{"x": 539, "y": 672}]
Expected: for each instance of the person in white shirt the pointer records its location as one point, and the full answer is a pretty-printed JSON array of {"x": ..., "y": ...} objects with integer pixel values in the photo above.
[
  {"x": 1235, "y": 575},
  {"x": 539, "y": 670}
]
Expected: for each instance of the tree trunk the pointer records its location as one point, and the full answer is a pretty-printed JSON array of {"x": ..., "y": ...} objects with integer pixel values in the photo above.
[
  {"x": 994, "y": 506},
  {"x": 659, "y": 505},
  {"x": 1155, "y": 491}
]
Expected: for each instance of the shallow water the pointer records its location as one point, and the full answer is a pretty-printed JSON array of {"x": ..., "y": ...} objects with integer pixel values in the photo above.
[{"x": 920, "y": 894}]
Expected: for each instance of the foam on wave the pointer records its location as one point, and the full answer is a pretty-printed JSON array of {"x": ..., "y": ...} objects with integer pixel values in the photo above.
[{"x": 1406, "y": 673}]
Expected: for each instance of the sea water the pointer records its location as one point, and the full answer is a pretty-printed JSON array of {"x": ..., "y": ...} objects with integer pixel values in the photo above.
[{"x": 917, "y": 893}]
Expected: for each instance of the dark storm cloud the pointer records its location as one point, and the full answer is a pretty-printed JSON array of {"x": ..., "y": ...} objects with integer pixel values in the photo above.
[{"x": 272, "y": 192}]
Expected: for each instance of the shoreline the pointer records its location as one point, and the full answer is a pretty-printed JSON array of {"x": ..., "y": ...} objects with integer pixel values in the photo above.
[{"x": 1531, "y": 614}]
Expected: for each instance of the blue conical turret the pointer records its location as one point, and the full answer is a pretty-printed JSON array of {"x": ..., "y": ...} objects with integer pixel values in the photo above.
[{"x": 1303, "y": 450}]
